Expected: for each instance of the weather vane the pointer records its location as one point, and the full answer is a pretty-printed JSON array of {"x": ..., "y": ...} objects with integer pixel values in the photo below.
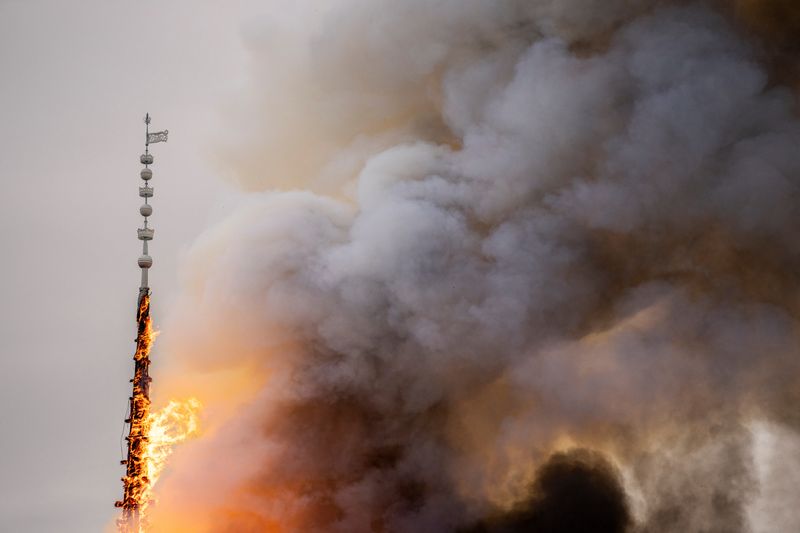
[{"x": 155, "y": 137}]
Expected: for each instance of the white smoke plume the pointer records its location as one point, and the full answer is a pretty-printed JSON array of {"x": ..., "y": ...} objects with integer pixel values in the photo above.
[{"x": 535, "y": 271}]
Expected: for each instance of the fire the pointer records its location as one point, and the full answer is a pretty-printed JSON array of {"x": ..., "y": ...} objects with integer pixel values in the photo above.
[
  {"x": 152, "y": 436},
  {"x": 147, "y": 333},
  {"x": 170, "y": 426}
]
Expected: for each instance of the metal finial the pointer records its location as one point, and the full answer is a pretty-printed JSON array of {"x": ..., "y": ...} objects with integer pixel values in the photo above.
[{"x": 147, "y": 118}]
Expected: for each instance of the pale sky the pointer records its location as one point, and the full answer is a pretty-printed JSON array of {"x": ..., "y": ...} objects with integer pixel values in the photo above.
[{"x": 77, "y": 78}]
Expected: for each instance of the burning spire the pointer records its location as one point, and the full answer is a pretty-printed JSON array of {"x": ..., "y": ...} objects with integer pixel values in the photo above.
[{"x": 138, "y": 478}]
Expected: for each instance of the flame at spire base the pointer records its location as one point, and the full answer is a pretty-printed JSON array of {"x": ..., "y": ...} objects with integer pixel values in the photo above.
[{"x": 152, "y": 436}]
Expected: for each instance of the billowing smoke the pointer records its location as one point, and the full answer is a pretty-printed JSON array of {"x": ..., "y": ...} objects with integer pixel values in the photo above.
[{"x": 538, "y": 274}]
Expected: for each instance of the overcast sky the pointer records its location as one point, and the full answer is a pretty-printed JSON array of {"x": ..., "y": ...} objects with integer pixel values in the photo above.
[{"x": 76, "y": 78}]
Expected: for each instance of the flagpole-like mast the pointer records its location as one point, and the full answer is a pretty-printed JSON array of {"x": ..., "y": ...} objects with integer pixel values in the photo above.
[
  {"x": 145, "y": 234},
  {"x": 136, "y": 483}
]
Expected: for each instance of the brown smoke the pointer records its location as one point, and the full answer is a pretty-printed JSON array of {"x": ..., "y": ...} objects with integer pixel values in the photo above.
[
  {"x": 527, "y": 229},
  {"x": 775, "y": 20},
  {"x": 775, "y": 24}
]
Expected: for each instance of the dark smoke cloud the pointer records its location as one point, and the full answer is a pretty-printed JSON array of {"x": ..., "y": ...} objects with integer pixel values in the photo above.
[
  {"x": 574, "y": 492},
  {"x": 535, "y": 226}
]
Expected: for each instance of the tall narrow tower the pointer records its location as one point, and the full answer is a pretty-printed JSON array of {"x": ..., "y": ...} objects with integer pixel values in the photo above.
[{"x": 136, "y": 483}]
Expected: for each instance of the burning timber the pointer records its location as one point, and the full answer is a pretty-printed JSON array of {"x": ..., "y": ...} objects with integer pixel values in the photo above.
[{"x": 136, "y": 481}]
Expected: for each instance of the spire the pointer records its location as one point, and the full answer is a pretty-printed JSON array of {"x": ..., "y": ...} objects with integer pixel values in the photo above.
[{"x": 136, "y": 483}]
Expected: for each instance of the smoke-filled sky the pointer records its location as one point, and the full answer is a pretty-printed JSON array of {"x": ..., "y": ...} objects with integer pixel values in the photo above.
[{"x": 452, "y": 266}]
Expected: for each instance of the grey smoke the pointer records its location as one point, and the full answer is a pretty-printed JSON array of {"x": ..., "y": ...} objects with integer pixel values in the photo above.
[{"x": 535, "y": 226}]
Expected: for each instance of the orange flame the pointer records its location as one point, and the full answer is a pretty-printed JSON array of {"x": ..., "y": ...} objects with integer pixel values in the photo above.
[
  {"x": 151, "y": 436},
  {"x": 170, "y": 426}
]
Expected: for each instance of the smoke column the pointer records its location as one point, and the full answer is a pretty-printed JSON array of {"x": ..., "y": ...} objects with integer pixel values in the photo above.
[{"x": 505, "y": 266}]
